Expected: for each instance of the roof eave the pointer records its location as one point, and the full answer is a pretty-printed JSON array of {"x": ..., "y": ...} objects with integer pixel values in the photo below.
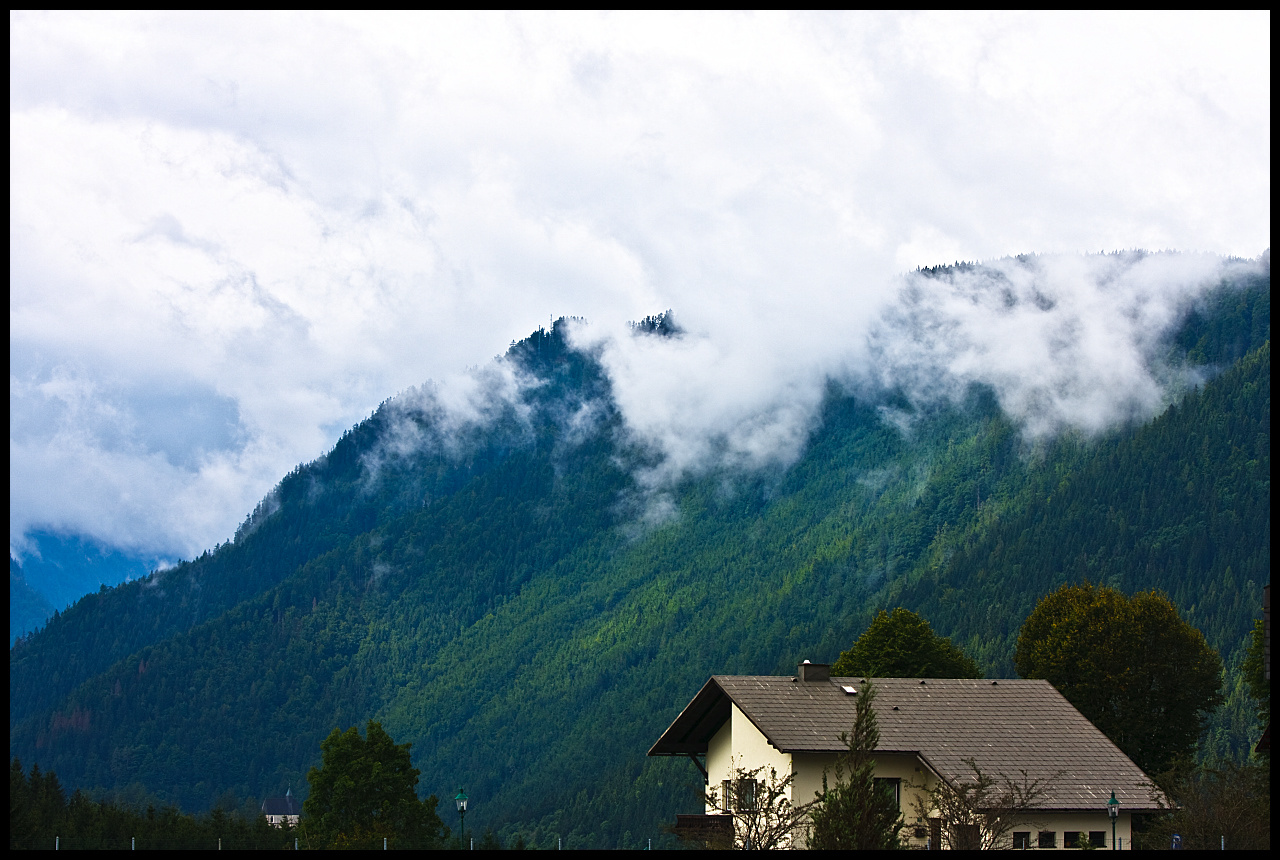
[{"x": 693, "y": 716}]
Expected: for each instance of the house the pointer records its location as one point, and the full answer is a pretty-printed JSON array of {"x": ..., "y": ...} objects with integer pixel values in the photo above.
[
  {"x": 930, "y": 729},
  {"x": 282, "y": 810}
]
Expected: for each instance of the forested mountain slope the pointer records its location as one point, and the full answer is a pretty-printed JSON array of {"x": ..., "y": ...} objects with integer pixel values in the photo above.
[
  {"x": 488, "y": 593},
  {"x": 317, "y": 507}
]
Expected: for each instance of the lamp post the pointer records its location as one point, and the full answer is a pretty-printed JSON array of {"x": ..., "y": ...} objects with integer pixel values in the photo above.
[
  {"x": 461, "y": 800},
  {"x": 1113, "y": 809}
]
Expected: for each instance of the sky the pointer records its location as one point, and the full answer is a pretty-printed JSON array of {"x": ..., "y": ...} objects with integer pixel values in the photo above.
[{"x": 233, "y": 235}]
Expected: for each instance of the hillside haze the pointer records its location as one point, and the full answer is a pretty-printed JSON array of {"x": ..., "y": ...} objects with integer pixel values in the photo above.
[{"x": 527, "y": 591}]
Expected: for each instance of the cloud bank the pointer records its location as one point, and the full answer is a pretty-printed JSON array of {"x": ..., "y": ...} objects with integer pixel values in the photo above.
[
  {"x": 1073, "y": 342},
  {"x": 232, "y": 236}
]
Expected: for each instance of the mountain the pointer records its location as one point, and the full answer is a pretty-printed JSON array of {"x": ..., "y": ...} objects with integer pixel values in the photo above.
[
  {"x": 28, "y": 609},
  {"x": 61, "y": 569},
  {"x": 504, "y": 593}
]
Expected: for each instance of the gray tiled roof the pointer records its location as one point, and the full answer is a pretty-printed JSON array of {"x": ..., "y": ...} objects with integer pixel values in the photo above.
[
  {"x": 1005, "y": 726},
  {"x": 287, "y": 805}
]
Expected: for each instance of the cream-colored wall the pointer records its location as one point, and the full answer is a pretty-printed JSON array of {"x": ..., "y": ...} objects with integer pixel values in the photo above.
[
  {"x": 739, "y": 744},
  {"x": 719, "y": 755},
  {"x": 1080, "y": 822},
  {"x": 809, "y": 769}
]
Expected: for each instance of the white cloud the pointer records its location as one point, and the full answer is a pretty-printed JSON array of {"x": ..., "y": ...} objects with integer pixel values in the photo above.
[
  {"x": 295, "y": 216},
  {"x": 1064, "y": 341}
]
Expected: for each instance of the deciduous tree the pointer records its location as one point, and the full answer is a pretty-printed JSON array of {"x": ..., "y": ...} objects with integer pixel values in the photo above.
[
  {"x": 979, "y": 812},
  {"x": 1226, "y": 804},
  {"x": 364, "y": 791},
  {"x": 903, "y": 645},
  {"x": 764, "y": 817},
  {"x": 1140, "y": 673}
]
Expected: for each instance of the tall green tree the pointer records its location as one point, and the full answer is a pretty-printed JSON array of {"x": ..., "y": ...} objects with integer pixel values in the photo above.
[
  {"x": 1255, "y": 673},
  {"x": 1131, "y": 665},
  {"x": 854, "y": 812},
  {"x": 903, "y": 645},
  {"x": 364, "y": 791}
]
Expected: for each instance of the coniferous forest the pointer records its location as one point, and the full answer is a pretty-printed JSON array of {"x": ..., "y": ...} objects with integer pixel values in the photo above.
[{"x": 493, "y": 594}]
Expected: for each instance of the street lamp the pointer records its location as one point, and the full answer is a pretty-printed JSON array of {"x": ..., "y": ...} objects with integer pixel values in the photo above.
[
  {"x": 461, "y": 800},
  {"x": 1113, "y": 809}
]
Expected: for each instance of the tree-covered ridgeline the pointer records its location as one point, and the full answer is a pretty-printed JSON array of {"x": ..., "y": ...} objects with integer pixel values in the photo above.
[{"x": 484, "y": 595}]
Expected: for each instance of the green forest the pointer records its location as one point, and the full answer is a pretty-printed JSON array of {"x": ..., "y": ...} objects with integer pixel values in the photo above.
[{"x": 491, "y": 596}]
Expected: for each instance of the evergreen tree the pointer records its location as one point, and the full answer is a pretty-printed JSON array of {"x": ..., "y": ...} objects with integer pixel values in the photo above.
[
  {"x": 854, "y": 812},
  {"x": 1255, "y": 674}
]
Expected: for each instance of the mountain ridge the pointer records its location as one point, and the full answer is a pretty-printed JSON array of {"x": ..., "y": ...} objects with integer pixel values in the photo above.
[{"x": 494, "y": 606}]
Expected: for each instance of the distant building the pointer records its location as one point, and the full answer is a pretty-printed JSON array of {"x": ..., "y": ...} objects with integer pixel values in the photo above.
[
  {"x": 282, "y": 810},
  {"x": 929, "y": 729}
]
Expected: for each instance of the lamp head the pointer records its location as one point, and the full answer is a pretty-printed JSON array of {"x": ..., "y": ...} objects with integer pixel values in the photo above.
[
  {"x": 461, "y": 800},
  {"x": 1113, "y": 806}
]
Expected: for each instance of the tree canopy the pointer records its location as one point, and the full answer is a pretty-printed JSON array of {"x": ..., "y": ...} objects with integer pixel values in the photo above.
[
  {"x": 365, "y": 792},
  {"x": 42, "y": 816},
  {"x": 903, "y": 645},
  {"x": 1131, "y": 665}
]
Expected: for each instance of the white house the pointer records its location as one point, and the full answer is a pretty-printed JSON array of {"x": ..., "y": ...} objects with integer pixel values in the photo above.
[
  {"x": 929, "y": 730},
  {"x": 280, "y": 810}
]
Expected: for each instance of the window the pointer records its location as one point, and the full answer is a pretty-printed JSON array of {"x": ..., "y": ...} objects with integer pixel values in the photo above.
[
  {"x": 738, "y": 796},
  {"x": 1071, "y": 839},
  {"x": 893, "y": 786},
  {"x": 1048, "y": 839},
  {"x": 1021, "y": 841},
  {"x": 1097, "y": 839}
]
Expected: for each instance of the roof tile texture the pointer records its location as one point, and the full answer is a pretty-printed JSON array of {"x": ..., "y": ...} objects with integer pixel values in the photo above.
[{"x": 1005, "y": 726}]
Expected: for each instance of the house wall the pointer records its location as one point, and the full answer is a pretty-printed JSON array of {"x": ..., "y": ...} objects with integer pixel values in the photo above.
[
  {"x": 915, "y": 778},
  {"x": 739, "y": 744},
  {"x": 279, "y": 820},
  {"x": 1062, "y": 822}
]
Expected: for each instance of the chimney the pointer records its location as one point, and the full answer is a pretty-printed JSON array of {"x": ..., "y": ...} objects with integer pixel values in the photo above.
[{"x": 807, "y": 671}]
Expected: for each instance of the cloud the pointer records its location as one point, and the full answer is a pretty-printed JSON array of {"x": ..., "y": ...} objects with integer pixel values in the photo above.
[
  {"x": 445, "y": 418},
  {"x": 1074, "y": 342},
  {"x": 1065, "y": 341},
  {"x": 238, "y": 233},
  {"x": 699, "y": 401}
]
